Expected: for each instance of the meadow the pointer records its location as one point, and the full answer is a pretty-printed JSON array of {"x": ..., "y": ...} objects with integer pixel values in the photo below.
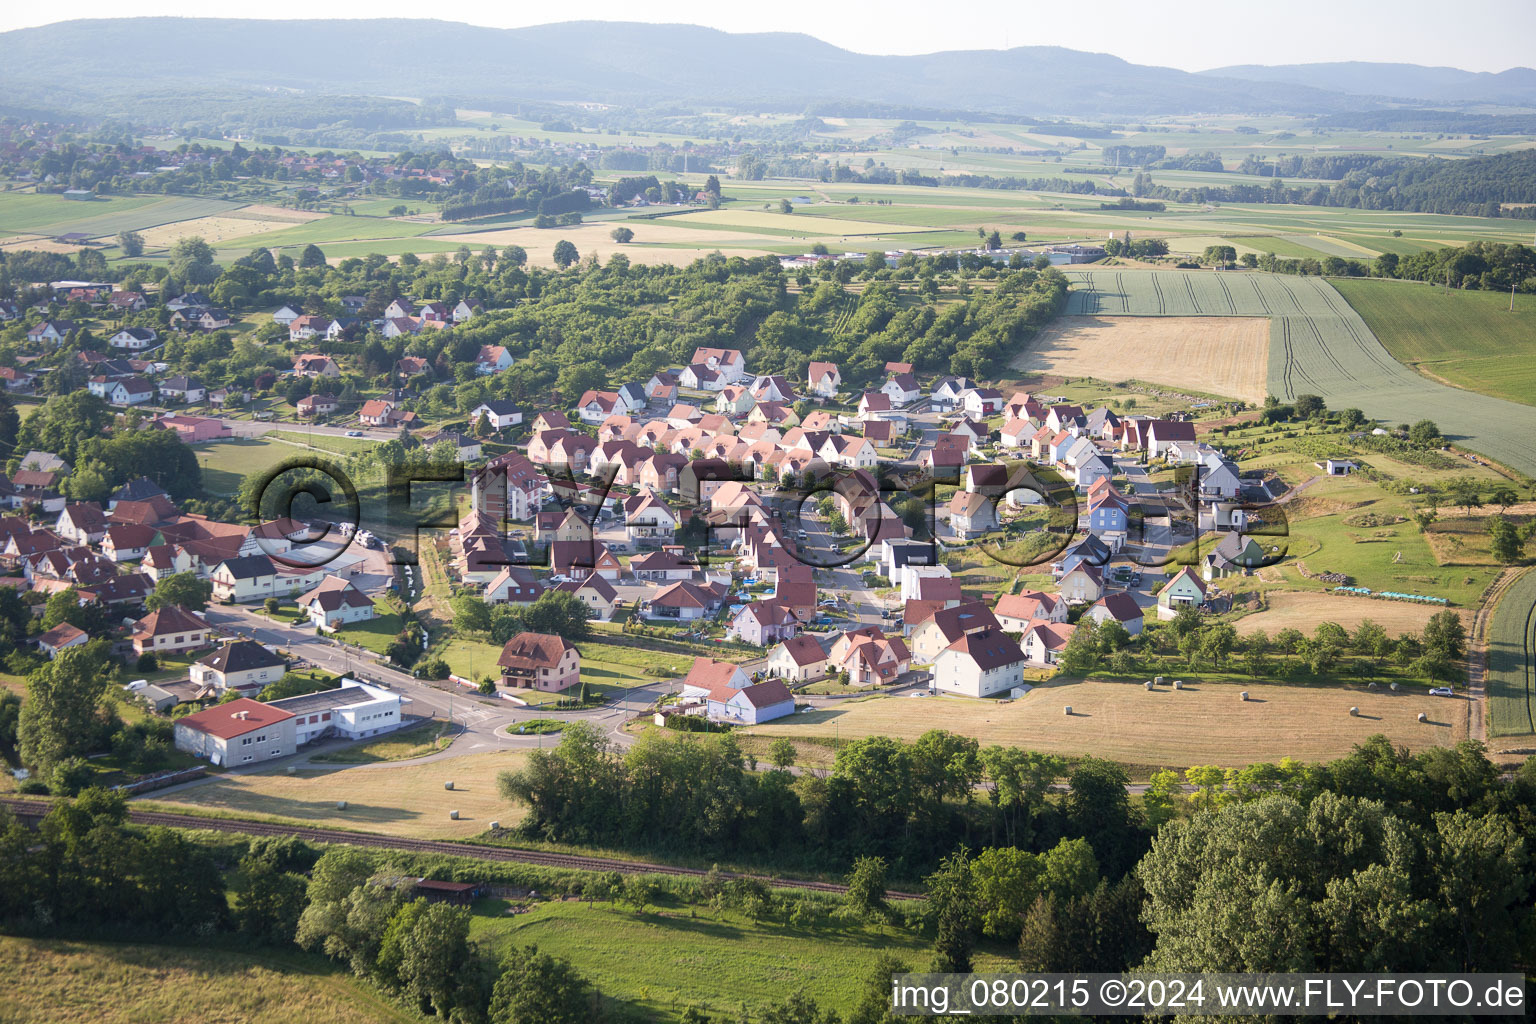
[
  {"x": 672, "y": 957},
  {"x": 1469, "y": 339},
  {"x": 393, "y": 798},
  {"x": 49, "y": 981},
  {"x": 1318, "y": 345},
  {"x": 226, "y": 463},
  {"x": 1204, "y": 723}
]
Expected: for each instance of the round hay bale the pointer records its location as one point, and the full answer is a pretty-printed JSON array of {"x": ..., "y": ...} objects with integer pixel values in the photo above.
[
  {"x": 1370, "y": 686},
  {"x": 290, "y": 769},
  {"x": 1394, "y": 687},
  {"x": 495, "y": 825},
  {"x": 448, "y": 784},
  {"x": 341, "y": 805},
  {"x": 1243, "y": 695},
  {"x": 453, "y": 815},
  {"x": 1158, "y": 680},
  {"x": 1354, "y": 712},
  {"x": 1068, "y": 710},
  {"x": 1178, "y": 684},
  {"x": 1149, "y": 685},
  {"x": 1423, "y": 717}
]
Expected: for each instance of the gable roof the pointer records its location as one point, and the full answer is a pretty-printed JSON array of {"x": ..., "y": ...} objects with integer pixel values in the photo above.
[
  {"x": 988, "y": 648},
  {"x": 242, "y": 656}
]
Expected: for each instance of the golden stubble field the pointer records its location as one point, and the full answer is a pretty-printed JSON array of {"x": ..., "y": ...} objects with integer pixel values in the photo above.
[
  {"x": 1226, "y": 356},
  {"x": 1291, "y": 609},
  {"x": 1201, "y": 724},
  {"x": 398, "y": 799}
]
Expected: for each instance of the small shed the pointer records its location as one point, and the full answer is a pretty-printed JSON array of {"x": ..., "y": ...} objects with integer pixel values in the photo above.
[{"x": 460, "y": 894}]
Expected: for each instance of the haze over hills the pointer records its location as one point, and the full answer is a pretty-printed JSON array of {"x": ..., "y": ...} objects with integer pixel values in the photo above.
[
  {"x": 1515, "y": 86},
  {"x": 76, "y": 65}
]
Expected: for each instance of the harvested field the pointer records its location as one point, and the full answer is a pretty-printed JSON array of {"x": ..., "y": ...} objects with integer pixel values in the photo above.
[
  {"x": 1216, "y": 355},
  {"x": 213, "y": 230},
  {"x": 395, "y": 798},
  {"x": 1300, "y": 610},
  {"x": 1512, "y": 662},
  {"x": 262, "y": 211},
  {"x": 48, "y": 980},
  {"x": 1204, "y": 724}
]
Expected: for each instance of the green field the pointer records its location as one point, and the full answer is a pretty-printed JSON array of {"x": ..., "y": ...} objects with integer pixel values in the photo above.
[
  {"x": 1512, "y": 661},
  {"x": 29, "y": 213},
  {"x": 226, "y": 463},
  {"x": 376, "y": 633},
  {"x": 1466, "y": 338},
  {"x": 667, "y": 959},
  {"x": 1318, "y": 345}
]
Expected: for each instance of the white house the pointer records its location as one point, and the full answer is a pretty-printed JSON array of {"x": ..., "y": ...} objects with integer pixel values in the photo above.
[
  {"x": 135, "y": 339},
  {"x": 902, "y": 390},
  {"x": 979, "y": 664},
  {"x": 500, "y": 412},
  {"x": 336, "y": 602},
  {"x": 824, "y": 379}
]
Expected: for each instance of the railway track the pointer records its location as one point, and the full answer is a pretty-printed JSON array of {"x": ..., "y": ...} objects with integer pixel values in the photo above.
[{"x": 479, "y": 851}]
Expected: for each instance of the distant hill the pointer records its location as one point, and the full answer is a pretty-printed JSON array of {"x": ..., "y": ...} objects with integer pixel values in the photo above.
[
  {"x": 84, "y": 65},
  {"x": 1516, "y": 87}
]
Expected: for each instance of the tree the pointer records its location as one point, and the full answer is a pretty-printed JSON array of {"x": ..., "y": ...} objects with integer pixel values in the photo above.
[
  {"x": 62, "y": 715},
  {"x": 1424, "y": 433},
  {"x": 622, "y": 234},
  {"x": 269, "y": 902},
  {"x": 1309, "y": 407},
  {"x": 470, "y": 613},
  {"x": 952, "y": 899},
  {"x": 1081, "y": 653},
  {"x": 536, "y": 988},
  {"x": 865, "y": 895},
  {"x": 311, "y": 257},
  {"x": 785, "y": 206},
  {"x": 183, "y": 588},
  {"x": 423, "y": 946},
  {"x": 1506, "y": 541},
  {"x": 132, "y": 244},
  {"x": 271, "y": 605},
  {"x": 1446, "y": 635},
  {"x": 483, "y": 426},
  {"x": 781, "y": 752},
  {"x": 565, "y": 254},
  {"x": 1466, "y": 493}
]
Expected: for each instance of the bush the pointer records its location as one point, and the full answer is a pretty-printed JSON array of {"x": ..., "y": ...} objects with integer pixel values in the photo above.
[
  {"x": 433, "y": 668},
  {"x": 147, "y": 662}
]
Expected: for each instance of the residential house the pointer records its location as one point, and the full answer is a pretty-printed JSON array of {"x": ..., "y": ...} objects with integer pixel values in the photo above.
[
  {"x": 127, "y": 542},
  {"x": 398, "y": 307},
  {"x": 596, "y": 593},
  {"x": 540, "y": 661},
  {"x": 130, "y": 391},
  {"x": 1082, "y": 584},
  {"x": 135, "y": 339},
  {"x": 798, "y": 659},
  {"x": 127, "y": 302},
  {"x": 308, "y": 327},
  {"x": 245, "y": 578},
  {"x": 1162, "y": 433},
  {"x": 313, "y": 364},
  {"x": 514, "y": 584},
  {"x": 182, "y": 389},
  {"x": 971, "y": 515},
  {"x": 734, "y": 400},
  {"x": 596, "y": 406},
  {"x": 287, "y": 315},
  {"x": 751, "y": 705},
  {"x": 51, "y": 331},
  {"x": 62, "y": 637},
  {"x": 1184, "y": 590},
  {"x": 946, "y": 626},
  {"x": 648, "y": 520},
  {"x": 979, "y": 664},
  {"x": 501, "y": 413},
  {"x": 685, "y": 601},
  {"x": 336, "y": 602},
  {"x": 16, "y": 379},
  {"x": 243, "y": 665},
  {"x": 1043, "y": 643},
  {"x": 982, "y": 402},
  {"x": 1121, "y": 607},
  {"x": 773, "y": 388},
  {"x": 902, "y": 389},
  {"x": 492, "y": 359},
  {"x": 194, "y": 429},
  {"x": 1236, "y": 554},
  {"x": 727, "y": 361},
  {"x": 701, "y": 378},
  {"x": 869, "y": 657},
  {"x": 665, "y": 566},
  {"x": 947, "y": 391},
  {"x": 168, "y": 629},
  {"x": 579, "y": 558},
  {"x": 1016, "y": 611},
  {"x": 661, "y": 389},
  {"x": 81, "y": 522},
  {"x": 763, "y": 623},
  {"x": 313, "y": 406},
  {"x": 824, "y": 379}
]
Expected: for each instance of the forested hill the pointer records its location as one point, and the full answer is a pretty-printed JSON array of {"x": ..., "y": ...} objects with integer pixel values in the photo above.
[{"x": 78, "y": 64}]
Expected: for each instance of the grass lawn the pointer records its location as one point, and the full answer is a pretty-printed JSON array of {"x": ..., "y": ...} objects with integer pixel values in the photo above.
[
  {"x": 226, "y": 463},
  {"x": 328, "y": 442},
  {"x": 396, "y": 799},
  {"x": 1465, "y": 338},
  {"x": 1201, "y": 724},
  {"x": 127, "y": 983},
  {"x": 426, "y": 736},
  {"x": 666, "y": 959},
  {"x": 376, "y": 633}
]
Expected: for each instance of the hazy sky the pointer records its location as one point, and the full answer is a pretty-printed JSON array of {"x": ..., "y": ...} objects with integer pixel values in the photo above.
[{"x": 1479, "y": 35}]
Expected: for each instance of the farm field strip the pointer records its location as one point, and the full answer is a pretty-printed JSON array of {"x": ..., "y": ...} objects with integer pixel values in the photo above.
[
  {"x": 1318, "y": 345},
  {"x": 1512, "y": 661}
]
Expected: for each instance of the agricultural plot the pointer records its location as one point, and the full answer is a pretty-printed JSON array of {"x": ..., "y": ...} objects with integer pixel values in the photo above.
[
  {"x": 1318, "y": 345},
  {"x": 1303, "y": 611},
  {"x": 1212, "y": 355},
  {"x": 1201, "y": 724},
  {"x": 47, "y": 981},
  {"x": 404, "y": 798},
  {"x": 1512, "y": 661},
  {"x": 25, "y": 213},
  {"x": 1469, "y": 339}
]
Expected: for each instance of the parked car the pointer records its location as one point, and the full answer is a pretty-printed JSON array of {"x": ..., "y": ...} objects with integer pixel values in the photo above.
[
  {"x": 354, "y": 433},
  {"x": 1441, "y": 691}
]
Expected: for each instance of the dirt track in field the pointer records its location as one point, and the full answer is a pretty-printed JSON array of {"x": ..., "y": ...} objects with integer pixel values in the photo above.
[{"x": 1226, "y": 356}]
